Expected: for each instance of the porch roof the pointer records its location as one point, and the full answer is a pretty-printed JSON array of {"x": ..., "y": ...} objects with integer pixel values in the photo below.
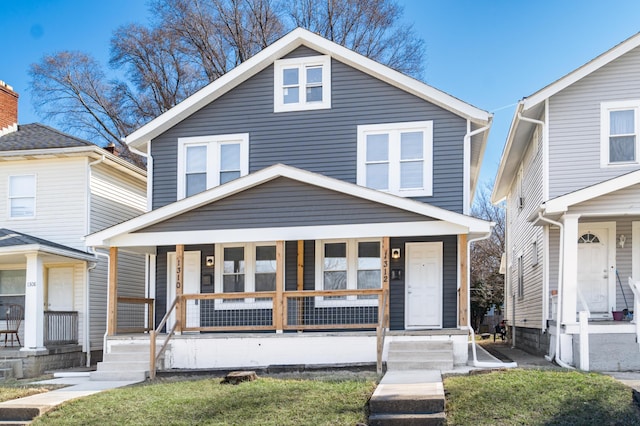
[
  {"x": 17, "y": 243},
  {"x": 160, "y": 227}
]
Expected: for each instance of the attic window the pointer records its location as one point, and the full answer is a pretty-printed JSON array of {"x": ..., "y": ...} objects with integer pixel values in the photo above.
[
  {"x": 619, "y": 133},
  {"x": 302, "y": 84}
]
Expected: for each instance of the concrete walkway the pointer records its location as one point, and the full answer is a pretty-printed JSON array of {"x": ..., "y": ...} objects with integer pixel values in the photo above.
[{"x": 27, "y": 408}]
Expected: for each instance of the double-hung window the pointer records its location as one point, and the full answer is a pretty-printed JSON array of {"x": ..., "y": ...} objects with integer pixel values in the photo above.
[
  {"x": 619, "y": 133},
  {"x": 208, "y": 161},
  {"x": 245, "y": 268},
  {"x": 396, "y": 157},
  {"x": 302, "y": 84},
  {"x": 22, "y": 196},
  {"x": 348, "y": 264}
]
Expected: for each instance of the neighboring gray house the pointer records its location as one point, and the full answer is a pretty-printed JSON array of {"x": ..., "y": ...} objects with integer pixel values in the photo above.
[
  {"x": 292, "y": 194},
  {"x": 570, "y": 178},
  {"x": 54, "y": 190}
]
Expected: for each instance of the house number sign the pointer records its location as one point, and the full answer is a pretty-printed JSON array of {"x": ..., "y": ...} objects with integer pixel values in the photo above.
[{"x": 32, "y": 284}]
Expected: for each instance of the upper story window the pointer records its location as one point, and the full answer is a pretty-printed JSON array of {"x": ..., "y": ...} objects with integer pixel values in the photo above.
[
  {"x": 396, "y": 157},
  {"x": 619, "y": 132},
  {"x": 208, "y": 161},
  {"x": 302, "y": 84},
  {"x": 22, "y": 196}
]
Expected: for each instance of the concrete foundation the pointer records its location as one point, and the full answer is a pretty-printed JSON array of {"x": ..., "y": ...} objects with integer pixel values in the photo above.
[
  {"x": 610, "y": 352},
  {"x": 532, "y": 340},
  {"x": 37, "y": 362}
]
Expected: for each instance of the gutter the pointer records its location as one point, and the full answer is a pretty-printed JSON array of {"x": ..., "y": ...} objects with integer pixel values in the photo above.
[
  {"x": 477, "y": 363},
  {"x": 467, "y": 167},
  {"x": 556, "y": 355}
]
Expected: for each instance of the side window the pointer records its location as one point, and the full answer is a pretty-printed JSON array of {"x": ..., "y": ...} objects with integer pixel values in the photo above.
[
  {"x": 619, "y": 133},
  {"x": 22, "y": 196},
  {"x": 208, "y": 161},
  {"x": 302, "y": 84},
  {"x": 396, "y": 158}
]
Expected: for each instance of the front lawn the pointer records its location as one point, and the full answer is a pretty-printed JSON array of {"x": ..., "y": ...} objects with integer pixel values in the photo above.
[
  {"x": 537, "y": 397},
  {"x": 266, "y": 401}
]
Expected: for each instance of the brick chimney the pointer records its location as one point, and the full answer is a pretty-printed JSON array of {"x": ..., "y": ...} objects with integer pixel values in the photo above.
[{"x": 8, "y": 109}]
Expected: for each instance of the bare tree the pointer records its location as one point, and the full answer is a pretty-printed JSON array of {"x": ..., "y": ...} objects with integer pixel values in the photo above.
[
  {"x": 487, "y": 284},
  {"x": 190, "y": 43}
]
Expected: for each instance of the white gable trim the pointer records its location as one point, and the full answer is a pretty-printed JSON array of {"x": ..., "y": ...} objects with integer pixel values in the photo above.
[
  {"x": 562, "y": 203},
  {"x": 277, "y": 50},
  {"x": 469, "y": 224},
  {"x": 39, "y": 248},
  {"x": 591, "y": 66}
]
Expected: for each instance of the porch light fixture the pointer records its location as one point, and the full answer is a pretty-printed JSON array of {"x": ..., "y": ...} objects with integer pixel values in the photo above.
[
  {"x": 395, "y": 253},
  {"x": 621, "y": 240},
  {"x": 209, "y": 261}
]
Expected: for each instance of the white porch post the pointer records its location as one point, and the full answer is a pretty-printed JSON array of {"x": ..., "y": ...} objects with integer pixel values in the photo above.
[
  {"x": 34, "y": 304},
  {"x": 570, "y": 271}
]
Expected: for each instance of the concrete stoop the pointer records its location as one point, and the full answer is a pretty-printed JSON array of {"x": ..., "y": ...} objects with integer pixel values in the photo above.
[
  {"x": 408, "y": 398},
  {"x": 11, "y": 369},
  {"x": 122, "y": 363},
  {"x": 420, "y": 355},
  {"x": 21, "y": 415}
]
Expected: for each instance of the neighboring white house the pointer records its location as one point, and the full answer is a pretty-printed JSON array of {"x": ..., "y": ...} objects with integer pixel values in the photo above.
[
  {"x": 54, "y": 190},
  {"x": 570, "y": 178}
]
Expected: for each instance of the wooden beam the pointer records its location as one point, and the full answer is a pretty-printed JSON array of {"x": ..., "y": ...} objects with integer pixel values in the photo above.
[
  {"x": 300, "y": 265},
  {"x": 112, "y": 324},
  {"x": 278, "y": 303},
  {"x": 463, "y": 296},
  {"x": 384, "y": 251},
  {"x": 180, "y": 312}
]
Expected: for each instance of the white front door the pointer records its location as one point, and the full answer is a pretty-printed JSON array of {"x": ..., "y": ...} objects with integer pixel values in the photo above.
[
  {"x": 595, "y": 272},
  {"x": 191, "y": 285},
  {"x": 423, "y": 285},
  {"x": 60, "y": 289}
]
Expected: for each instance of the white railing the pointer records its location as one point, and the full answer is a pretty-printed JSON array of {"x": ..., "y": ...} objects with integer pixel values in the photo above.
[{"x": 635, "y": 287}]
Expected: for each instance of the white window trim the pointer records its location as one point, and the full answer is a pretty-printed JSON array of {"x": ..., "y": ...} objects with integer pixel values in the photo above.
[
  {"x": 10, "y": 197},
  {"x": 249, "y": 277},
  {"x": 301, "y": 63},
  {"x": 394, "y": 130},
  {"x": 213, "y": 144},
  {"x": 605, "y": 109},
  {"x": 352, "y": 272}
]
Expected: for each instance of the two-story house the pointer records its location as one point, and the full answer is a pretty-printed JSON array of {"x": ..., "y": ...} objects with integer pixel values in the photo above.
[
  {"x": 570, "y": 178},
  {"x": 306, "y": 192},
  {"x": 54, "y": 190}
]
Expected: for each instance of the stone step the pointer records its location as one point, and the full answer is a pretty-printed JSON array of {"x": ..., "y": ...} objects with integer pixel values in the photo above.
[
  {"x": 435, "y": 419},
  {"x": 421, "y": 356},
  {"x": 126, "y": 356},
  {"x": 130, "y": 348},
  {"x": 15, "y": 365},
  {"x": 424, "y": 403},
  {"x": 110, "y": 376},
  {"x": 419, "y": 365},
  {"x": 17, "y": 414},
  {"x": 426, "y": 345},
  {"x": 123, "y": 366}
]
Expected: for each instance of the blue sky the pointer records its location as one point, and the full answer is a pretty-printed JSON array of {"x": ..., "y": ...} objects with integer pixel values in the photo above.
[{"x": 488, "y": 53}]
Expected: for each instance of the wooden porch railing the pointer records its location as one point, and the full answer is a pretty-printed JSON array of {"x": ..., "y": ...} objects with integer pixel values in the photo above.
[
  {"x": 135, "y": 315},
  {"x": 60, "y": 328}
]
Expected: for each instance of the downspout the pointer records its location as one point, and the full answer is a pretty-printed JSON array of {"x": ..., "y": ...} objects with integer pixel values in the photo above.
[
  {"x": 104, "y": 338},
  {"x": 87, "y": 293},
  {"x": 477, "y": 363},
  {"x": 556, "y": 355}
]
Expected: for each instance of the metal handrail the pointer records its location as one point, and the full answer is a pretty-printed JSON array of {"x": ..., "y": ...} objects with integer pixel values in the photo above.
[
  {"x": 153, "y": 357},
  {"x": 635, "y": 288}
]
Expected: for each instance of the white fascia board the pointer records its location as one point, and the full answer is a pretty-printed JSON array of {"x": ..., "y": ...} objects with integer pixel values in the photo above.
[
  {"x": 38, "y": 248},
  {"x": 579, "y": 73},
  {"x": 280, "y": 48},
  {"x": 562, "y": 203},
  {"x": 374, "y": 230},
  {"x": 273, "y": 172},
  {"x": 504, "y": 177}
]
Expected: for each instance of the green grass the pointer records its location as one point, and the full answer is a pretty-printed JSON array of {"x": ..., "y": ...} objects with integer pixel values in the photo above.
[
  {"x": 537, "y": 397},
  {"x": 266, "y": 401},
  {"x": 10, "y": 392}
]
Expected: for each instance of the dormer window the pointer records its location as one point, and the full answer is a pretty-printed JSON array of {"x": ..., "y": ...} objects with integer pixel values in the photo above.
[{"x": 302, "y": 84}]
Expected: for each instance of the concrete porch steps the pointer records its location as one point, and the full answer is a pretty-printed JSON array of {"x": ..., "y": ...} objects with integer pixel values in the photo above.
[
  {"x": 407, "y": 398},
  {"x": 420, "y": 355},
  {"x": 123, "y": 362}
]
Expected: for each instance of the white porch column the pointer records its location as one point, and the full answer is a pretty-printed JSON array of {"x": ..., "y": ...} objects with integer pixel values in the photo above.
[
  {"x": 570, "y": 270},
  {"x": 34, "y": 304}
]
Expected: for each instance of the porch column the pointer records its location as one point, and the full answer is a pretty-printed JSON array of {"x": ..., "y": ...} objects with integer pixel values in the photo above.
[
  {"x": 34, "y": 304},
  {"x": 278, "y": 303},
  {"x": 112, "y": 318},
  {"x": 385, "y": 276},
  {"x": 570, "y": 270},
  {"x": 463, "y": 291},
  {"x": 180, "y": 314}
]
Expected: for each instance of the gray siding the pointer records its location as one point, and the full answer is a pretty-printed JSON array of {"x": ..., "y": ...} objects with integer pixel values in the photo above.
[
  {"x": 574, "y": 128},
  {"x": 284, "y": 202},
  {"x": 322, "y": 141},
  {"x": 617, "y": 202}
]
